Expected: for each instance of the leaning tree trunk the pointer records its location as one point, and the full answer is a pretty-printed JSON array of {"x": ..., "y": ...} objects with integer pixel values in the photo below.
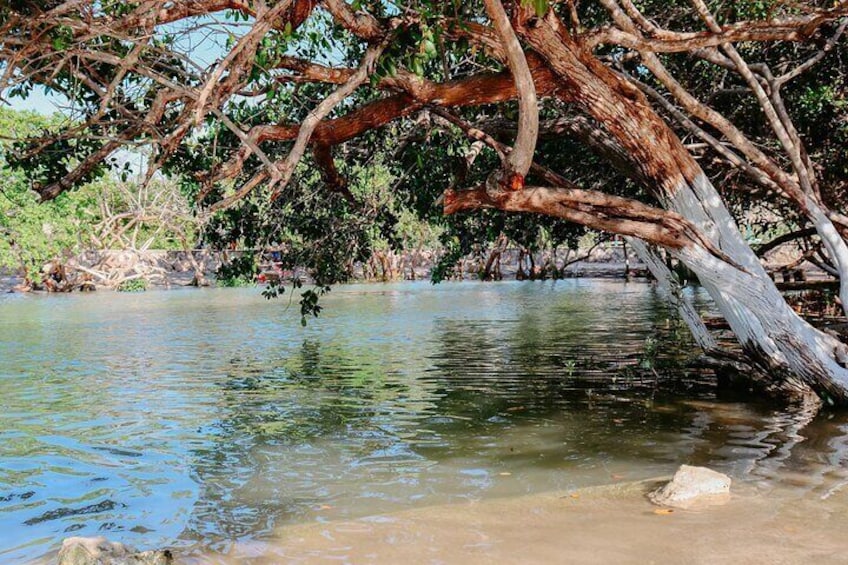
[
  {"x": 834, "y": 243},
  {"x": 792, "y": 352}
]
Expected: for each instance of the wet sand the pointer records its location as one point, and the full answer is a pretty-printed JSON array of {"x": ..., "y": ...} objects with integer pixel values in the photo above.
[{"x": 614, "y": 524}]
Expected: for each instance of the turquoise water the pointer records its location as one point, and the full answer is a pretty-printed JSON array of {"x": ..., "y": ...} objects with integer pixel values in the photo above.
[{"x": 194, "y": 419}]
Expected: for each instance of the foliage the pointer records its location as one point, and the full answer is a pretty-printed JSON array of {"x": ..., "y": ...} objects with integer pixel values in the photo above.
[
  {"x": 32, "y": 234},
  {"x": 309, "y": 298},
  {"x": 133, "y": 285},
  {"x": 396, "y": 174},
  {"x": 238, "y": 271},
  {"x": 104, "y": 213}
]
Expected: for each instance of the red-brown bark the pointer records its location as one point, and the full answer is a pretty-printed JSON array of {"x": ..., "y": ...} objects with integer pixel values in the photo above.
[{"x": 592, "y": 209}]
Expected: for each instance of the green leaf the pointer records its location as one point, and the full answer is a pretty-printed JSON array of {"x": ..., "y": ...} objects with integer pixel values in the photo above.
[
  {"x": 429, "y": 48},
  {"x": 418, "y": 66},
  {"x": 539, "y": 6}
]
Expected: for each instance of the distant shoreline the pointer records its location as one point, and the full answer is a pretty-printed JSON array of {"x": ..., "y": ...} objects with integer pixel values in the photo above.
[
  {"x": 164, "y": 269},
  {"x": 169, "y": 269}
]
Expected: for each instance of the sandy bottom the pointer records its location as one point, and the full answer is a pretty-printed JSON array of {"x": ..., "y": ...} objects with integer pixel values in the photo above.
[{"x": 614, "y": 524}]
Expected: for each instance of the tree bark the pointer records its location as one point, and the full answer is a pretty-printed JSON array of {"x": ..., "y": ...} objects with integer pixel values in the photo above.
[{"x": 796, "y": 355}]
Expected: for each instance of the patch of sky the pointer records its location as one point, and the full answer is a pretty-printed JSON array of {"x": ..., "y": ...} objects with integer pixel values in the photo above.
[{"x": 201, "y": 42}]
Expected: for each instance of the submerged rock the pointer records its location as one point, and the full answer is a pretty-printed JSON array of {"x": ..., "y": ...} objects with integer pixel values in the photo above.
[
  {"x": 100, "y": 551},
  {"x": 691, "y": 486}
]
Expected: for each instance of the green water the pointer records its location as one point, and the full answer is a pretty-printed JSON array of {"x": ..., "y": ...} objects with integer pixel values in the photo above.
[{"x": 197, "y": 419}]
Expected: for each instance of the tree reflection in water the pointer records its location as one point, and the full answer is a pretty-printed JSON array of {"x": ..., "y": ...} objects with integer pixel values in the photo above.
[{"x": 399, "y": 395}]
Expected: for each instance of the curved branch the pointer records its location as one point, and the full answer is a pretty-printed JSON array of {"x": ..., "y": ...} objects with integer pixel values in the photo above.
[
  {"x": 323, "y": 157},
  {"x": 281, "y": 173},
  {"x": 521, "y": 157},
  {"x": 603, "y": 206},
  {"x": 361, "y": 24},
  {"x": 485, "y": 88},
  {"x": 763, "y": 249},
  {"x": 589, "y": 208}
]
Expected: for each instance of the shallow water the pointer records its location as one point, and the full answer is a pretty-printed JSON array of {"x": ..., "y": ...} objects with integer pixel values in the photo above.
[
  {"x": 595, "y": 525},
  {"x": 207, "y": 420}
]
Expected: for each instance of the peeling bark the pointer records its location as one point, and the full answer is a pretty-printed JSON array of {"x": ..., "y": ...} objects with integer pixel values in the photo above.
[{"x": 770, "y": 332}]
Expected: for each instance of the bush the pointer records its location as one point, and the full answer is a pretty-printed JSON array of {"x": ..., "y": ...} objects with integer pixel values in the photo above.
[
  {"x": 133, "y": 285},
  {"x": 239, "y": 271},
  {"x": 234, "y": 282}
]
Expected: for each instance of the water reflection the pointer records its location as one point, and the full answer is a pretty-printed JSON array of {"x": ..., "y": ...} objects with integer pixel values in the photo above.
[{"x": 200, "y": 419}]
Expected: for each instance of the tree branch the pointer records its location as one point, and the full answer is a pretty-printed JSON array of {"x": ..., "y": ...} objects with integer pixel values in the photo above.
[
  {"x": 521, "y": 157},
  {"x": 281, "y": 173}
]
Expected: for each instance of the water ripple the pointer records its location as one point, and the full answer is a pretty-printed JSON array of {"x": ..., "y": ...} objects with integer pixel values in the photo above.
[{"x": 196, "y": 419}]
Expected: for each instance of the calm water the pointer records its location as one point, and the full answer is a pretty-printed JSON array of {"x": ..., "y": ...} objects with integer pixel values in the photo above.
[{"x": 196, "y": 419}]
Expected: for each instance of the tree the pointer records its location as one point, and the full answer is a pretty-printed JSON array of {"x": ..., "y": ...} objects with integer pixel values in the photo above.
[
  {"x": 288, "y": 77},
  {"x": 106, "y": 213},
  {"x": 32, "y": 235}
]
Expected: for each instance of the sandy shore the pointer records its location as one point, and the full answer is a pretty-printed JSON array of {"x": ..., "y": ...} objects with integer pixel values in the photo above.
[{"x": 612, "y": 524}]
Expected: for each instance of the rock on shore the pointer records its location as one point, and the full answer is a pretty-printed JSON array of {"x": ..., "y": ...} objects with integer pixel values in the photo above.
[{"x": 691, "y": 486}]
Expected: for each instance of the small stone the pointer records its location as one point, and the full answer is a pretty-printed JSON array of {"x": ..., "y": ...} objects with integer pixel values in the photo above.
[
  {"x": 691, "y": 486},
  {"x": 100, "y": 551},
  {"x": 151, "y": 557}
]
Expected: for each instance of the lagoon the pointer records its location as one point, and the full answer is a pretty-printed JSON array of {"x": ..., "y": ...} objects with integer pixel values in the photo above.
[{"x": 209, "y": 420}]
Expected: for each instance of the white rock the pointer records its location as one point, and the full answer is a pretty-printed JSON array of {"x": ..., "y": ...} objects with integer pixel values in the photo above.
[{"x": 691, "y": 486}]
